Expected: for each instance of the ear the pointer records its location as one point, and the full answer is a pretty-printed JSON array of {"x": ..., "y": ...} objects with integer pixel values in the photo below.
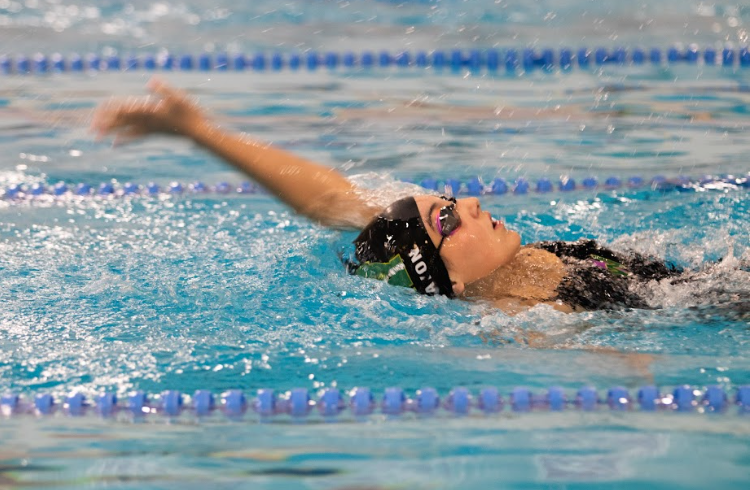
[{"x": 458, "y": 287}]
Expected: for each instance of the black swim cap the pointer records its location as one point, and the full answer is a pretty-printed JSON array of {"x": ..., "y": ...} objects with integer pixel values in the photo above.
[{"x": 395, "y": 247}]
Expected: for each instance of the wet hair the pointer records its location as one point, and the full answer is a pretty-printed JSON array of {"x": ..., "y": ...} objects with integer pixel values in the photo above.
[{"x": 396, "y": 247}]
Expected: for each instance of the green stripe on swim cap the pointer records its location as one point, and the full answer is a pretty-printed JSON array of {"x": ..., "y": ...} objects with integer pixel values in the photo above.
[{"x": 393, "y": 271}]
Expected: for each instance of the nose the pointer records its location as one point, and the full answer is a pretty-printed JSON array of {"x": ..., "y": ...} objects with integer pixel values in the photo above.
[{"x": 471, "y": 205}]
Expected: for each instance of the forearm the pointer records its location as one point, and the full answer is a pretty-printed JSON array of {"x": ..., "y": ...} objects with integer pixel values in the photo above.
[
  {"x": 315, "y": 191},
  {"x": 318, "y": 192}
]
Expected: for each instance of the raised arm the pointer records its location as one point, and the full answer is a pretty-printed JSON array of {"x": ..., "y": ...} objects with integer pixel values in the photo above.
[{"x": 313, "y": 190}]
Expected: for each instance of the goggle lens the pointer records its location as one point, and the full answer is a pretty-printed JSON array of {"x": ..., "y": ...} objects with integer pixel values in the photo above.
[{"x": 448, "y": 220}]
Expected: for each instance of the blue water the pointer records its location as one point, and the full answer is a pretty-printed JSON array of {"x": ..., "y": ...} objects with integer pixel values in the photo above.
[{"x": 224, "y": 292}]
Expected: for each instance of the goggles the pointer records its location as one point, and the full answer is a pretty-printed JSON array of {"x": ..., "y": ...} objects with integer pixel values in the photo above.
[{"x": 447, "y": 221}]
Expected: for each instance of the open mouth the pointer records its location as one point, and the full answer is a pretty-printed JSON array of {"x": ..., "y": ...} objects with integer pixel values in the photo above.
[{"x": 497, "y": 224}]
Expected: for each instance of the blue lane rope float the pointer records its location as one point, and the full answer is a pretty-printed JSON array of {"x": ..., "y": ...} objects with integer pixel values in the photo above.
[
  {"x": 394, "y": 401},
  {"x": 492, "y": 60},
  {"x": 475, "y": 186}
]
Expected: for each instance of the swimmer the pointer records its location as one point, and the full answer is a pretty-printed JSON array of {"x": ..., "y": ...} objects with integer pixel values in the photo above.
[{"x": 433, "y": 244}]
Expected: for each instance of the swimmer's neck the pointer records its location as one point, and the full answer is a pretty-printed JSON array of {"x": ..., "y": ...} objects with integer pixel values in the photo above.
[{"x": 532, "y": 274}]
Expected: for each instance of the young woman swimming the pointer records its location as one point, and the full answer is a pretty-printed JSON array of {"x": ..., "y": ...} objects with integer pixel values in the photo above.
[{"x": 436, "y": 245}]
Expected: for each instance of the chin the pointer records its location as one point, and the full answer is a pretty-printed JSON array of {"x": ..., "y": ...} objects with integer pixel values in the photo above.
[
  {"x": 516, "y": 240},
  {"x": 511, "y": 241}
]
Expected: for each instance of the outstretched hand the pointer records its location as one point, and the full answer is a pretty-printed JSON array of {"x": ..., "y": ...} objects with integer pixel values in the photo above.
[{"x": 166, "y": 111}]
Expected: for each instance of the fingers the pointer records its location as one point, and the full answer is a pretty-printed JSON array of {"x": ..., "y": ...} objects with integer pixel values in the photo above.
[
  {"x": 115, "y": 116},
  {"x": 165, "y": 112},
  {"x": 127, "y": 135},
  {"x": 159, "y": 87},
  {"x": 101, "y": 120},
  {"x": 106, "y": 118}
]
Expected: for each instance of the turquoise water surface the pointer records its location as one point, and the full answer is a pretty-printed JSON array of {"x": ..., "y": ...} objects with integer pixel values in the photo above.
[{"x": 219, "y": 292}]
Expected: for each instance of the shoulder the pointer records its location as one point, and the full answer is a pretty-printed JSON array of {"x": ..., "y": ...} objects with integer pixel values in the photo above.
[{"x": 539, "y": 255}]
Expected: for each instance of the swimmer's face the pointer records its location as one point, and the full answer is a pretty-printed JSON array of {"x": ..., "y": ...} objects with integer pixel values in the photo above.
[{"x": 480, "y": 245}]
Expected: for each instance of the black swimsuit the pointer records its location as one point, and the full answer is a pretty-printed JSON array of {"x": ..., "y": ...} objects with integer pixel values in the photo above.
[{"x": 599, "y": 279}]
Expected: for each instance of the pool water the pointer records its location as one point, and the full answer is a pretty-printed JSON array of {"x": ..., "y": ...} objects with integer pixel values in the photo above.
[{"x": 219, "y": 292}]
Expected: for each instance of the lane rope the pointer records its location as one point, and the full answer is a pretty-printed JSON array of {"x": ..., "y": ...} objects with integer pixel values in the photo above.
[
  {"x": 454, "y": 187},
  {"x": 492, "y": 60},
  {"x": 362, "y": 402}
]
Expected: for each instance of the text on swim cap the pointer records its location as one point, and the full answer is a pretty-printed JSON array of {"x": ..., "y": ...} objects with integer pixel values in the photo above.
[{"x": 420, "y": 267}]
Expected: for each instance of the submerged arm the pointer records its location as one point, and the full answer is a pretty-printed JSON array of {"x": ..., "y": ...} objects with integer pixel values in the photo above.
[{"x": 318, "y": 192}]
